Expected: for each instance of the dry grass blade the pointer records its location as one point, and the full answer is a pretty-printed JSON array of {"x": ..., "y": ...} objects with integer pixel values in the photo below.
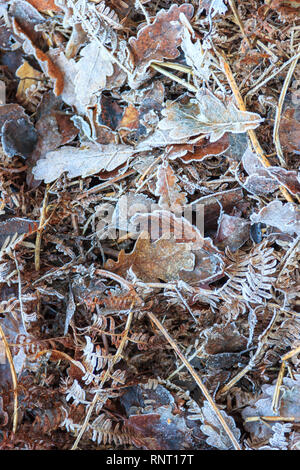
[{"x": 196, "y": 378}]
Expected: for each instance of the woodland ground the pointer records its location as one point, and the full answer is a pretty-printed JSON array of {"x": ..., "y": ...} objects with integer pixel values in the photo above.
[{"x": 120, "y": 114}]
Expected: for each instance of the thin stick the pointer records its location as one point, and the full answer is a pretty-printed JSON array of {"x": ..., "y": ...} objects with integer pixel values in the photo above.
[
  {"x": 197, "y": 380},
  {"x": 175, "y": 78},
  {"x": 104, "y": 185},
  {"x": 252, "y": 419},
  {"x": 276, "y": 394},
  {"x": 38, "y": 240},
  {"x": 103, "y": 380},
  {"x": 14, "y": 378},
  {"x": 279, "y": 111},
  {"x": 252, "y": 135}
]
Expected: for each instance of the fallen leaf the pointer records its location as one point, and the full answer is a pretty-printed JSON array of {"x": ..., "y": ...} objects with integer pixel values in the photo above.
[
  {"x": 289, "y": 131},
  {"x": 44, "y": 5},
  {"x": 215, "y": 432},
  {"x": 204, "y": 149},
  {"x": 162, "y": 260},
  {"x": 169, "y": 192},
  {"x": 206, "y": 115},
  {"x": 161, "y": 39},
  {"x": 288, "y": 178},
  {"x": 233, "y": 232},
  {"x": 11, "y": 111},
  {"x": 29, "y": 79},
  {"x": 162, "y": 223},
  {"x": 93, "y": 68},
  {"x": 81, "y": 161},
  {"x": 283, "y": 216},
  {"x": 49, "y": 67},
  {"x": 19, "y": 137}
]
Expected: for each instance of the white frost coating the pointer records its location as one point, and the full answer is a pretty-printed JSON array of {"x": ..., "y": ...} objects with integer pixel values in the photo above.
[
  {"x": 81, "y": 161},
  {"x": 285, "y": 217}
]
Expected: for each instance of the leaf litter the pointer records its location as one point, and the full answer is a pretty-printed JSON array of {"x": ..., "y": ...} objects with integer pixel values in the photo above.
[{"x": 149, "y": 261}]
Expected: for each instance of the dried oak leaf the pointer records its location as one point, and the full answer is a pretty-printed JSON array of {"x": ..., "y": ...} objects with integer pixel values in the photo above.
[
  {"x": 206, "y": 115},
  {"x": 259, "y": 180},
  {"x": 289, "y": 131},
  {"x": 233, "y": 232},
  {"x": 288, "y": 178},
  {"x": 93, "y": 68},
  {"x": 209, "y": 264},
  {"x": 29, "y": 80},
  {"x": 283, "y": 216},
  {"x": 44, "y": 5},
  {"x": 162, "y": 260},
  {"x": 169, "y": 192},
  {"x": 285, "y": 8},
  {"x": 205, "y": 149},
  {"x": 161, "y": 39},
  {"x": 81, "y": 161}
]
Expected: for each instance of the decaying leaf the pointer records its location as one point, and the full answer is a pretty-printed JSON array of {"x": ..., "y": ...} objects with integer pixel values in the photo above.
[
  {"x": 206, "y": 115},
  {"x": 81, "y": 161},
  {"x": 44, "y": 60},
  {"x": 233, "y": 232},
  {"x": 170, "y": 195},
  {"x": 285, "y": 217},
  {"x": 44, "y": 5},
  {"x": 161, "y": 39},
  {"x": 289, "y": 130},
  {"x": 162, "y": 260},
  {"x": 91, "y": 79},
  {"x": 19, "y": 137}
]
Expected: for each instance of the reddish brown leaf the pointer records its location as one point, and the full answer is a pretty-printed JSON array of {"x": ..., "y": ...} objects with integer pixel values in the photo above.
[
  {"x": 289, "y": 131},
  {"x": 233, "y": 232},
  {"x": 161, "y": 39},
  {"x": 44, "y": 5},
  {"x": 162, "y": 260},
  {"x": 170, "y": 195},
  {"x": 45, "y": 62}
]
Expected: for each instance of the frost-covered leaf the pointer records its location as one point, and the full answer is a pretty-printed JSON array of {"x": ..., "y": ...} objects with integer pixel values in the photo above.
[
  {"x": 198, "y": 58},
  {"x": 283, "y": 216},
  {"x": 161, "y": 38},
  {"x": 93, "y": 68},
  {"x": 81, "y": 161},
  {"x": 215, "y": 432},
  {"x": 162, "y": 260},
  {"x": 206, "y": 115},
  {"x": 170, "y": 195}
]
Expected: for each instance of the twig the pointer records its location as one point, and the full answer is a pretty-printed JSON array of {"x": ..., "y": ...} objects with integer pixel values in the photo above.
[
  {"x": 197, "y": 380},
  {"x": 175, "y": 78},
  {"x": 276, "y": 394},
  {"x": 279, "y": 111},
  {"x": 14, "y": 378},
  {"x": 38, "y": 240}
]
